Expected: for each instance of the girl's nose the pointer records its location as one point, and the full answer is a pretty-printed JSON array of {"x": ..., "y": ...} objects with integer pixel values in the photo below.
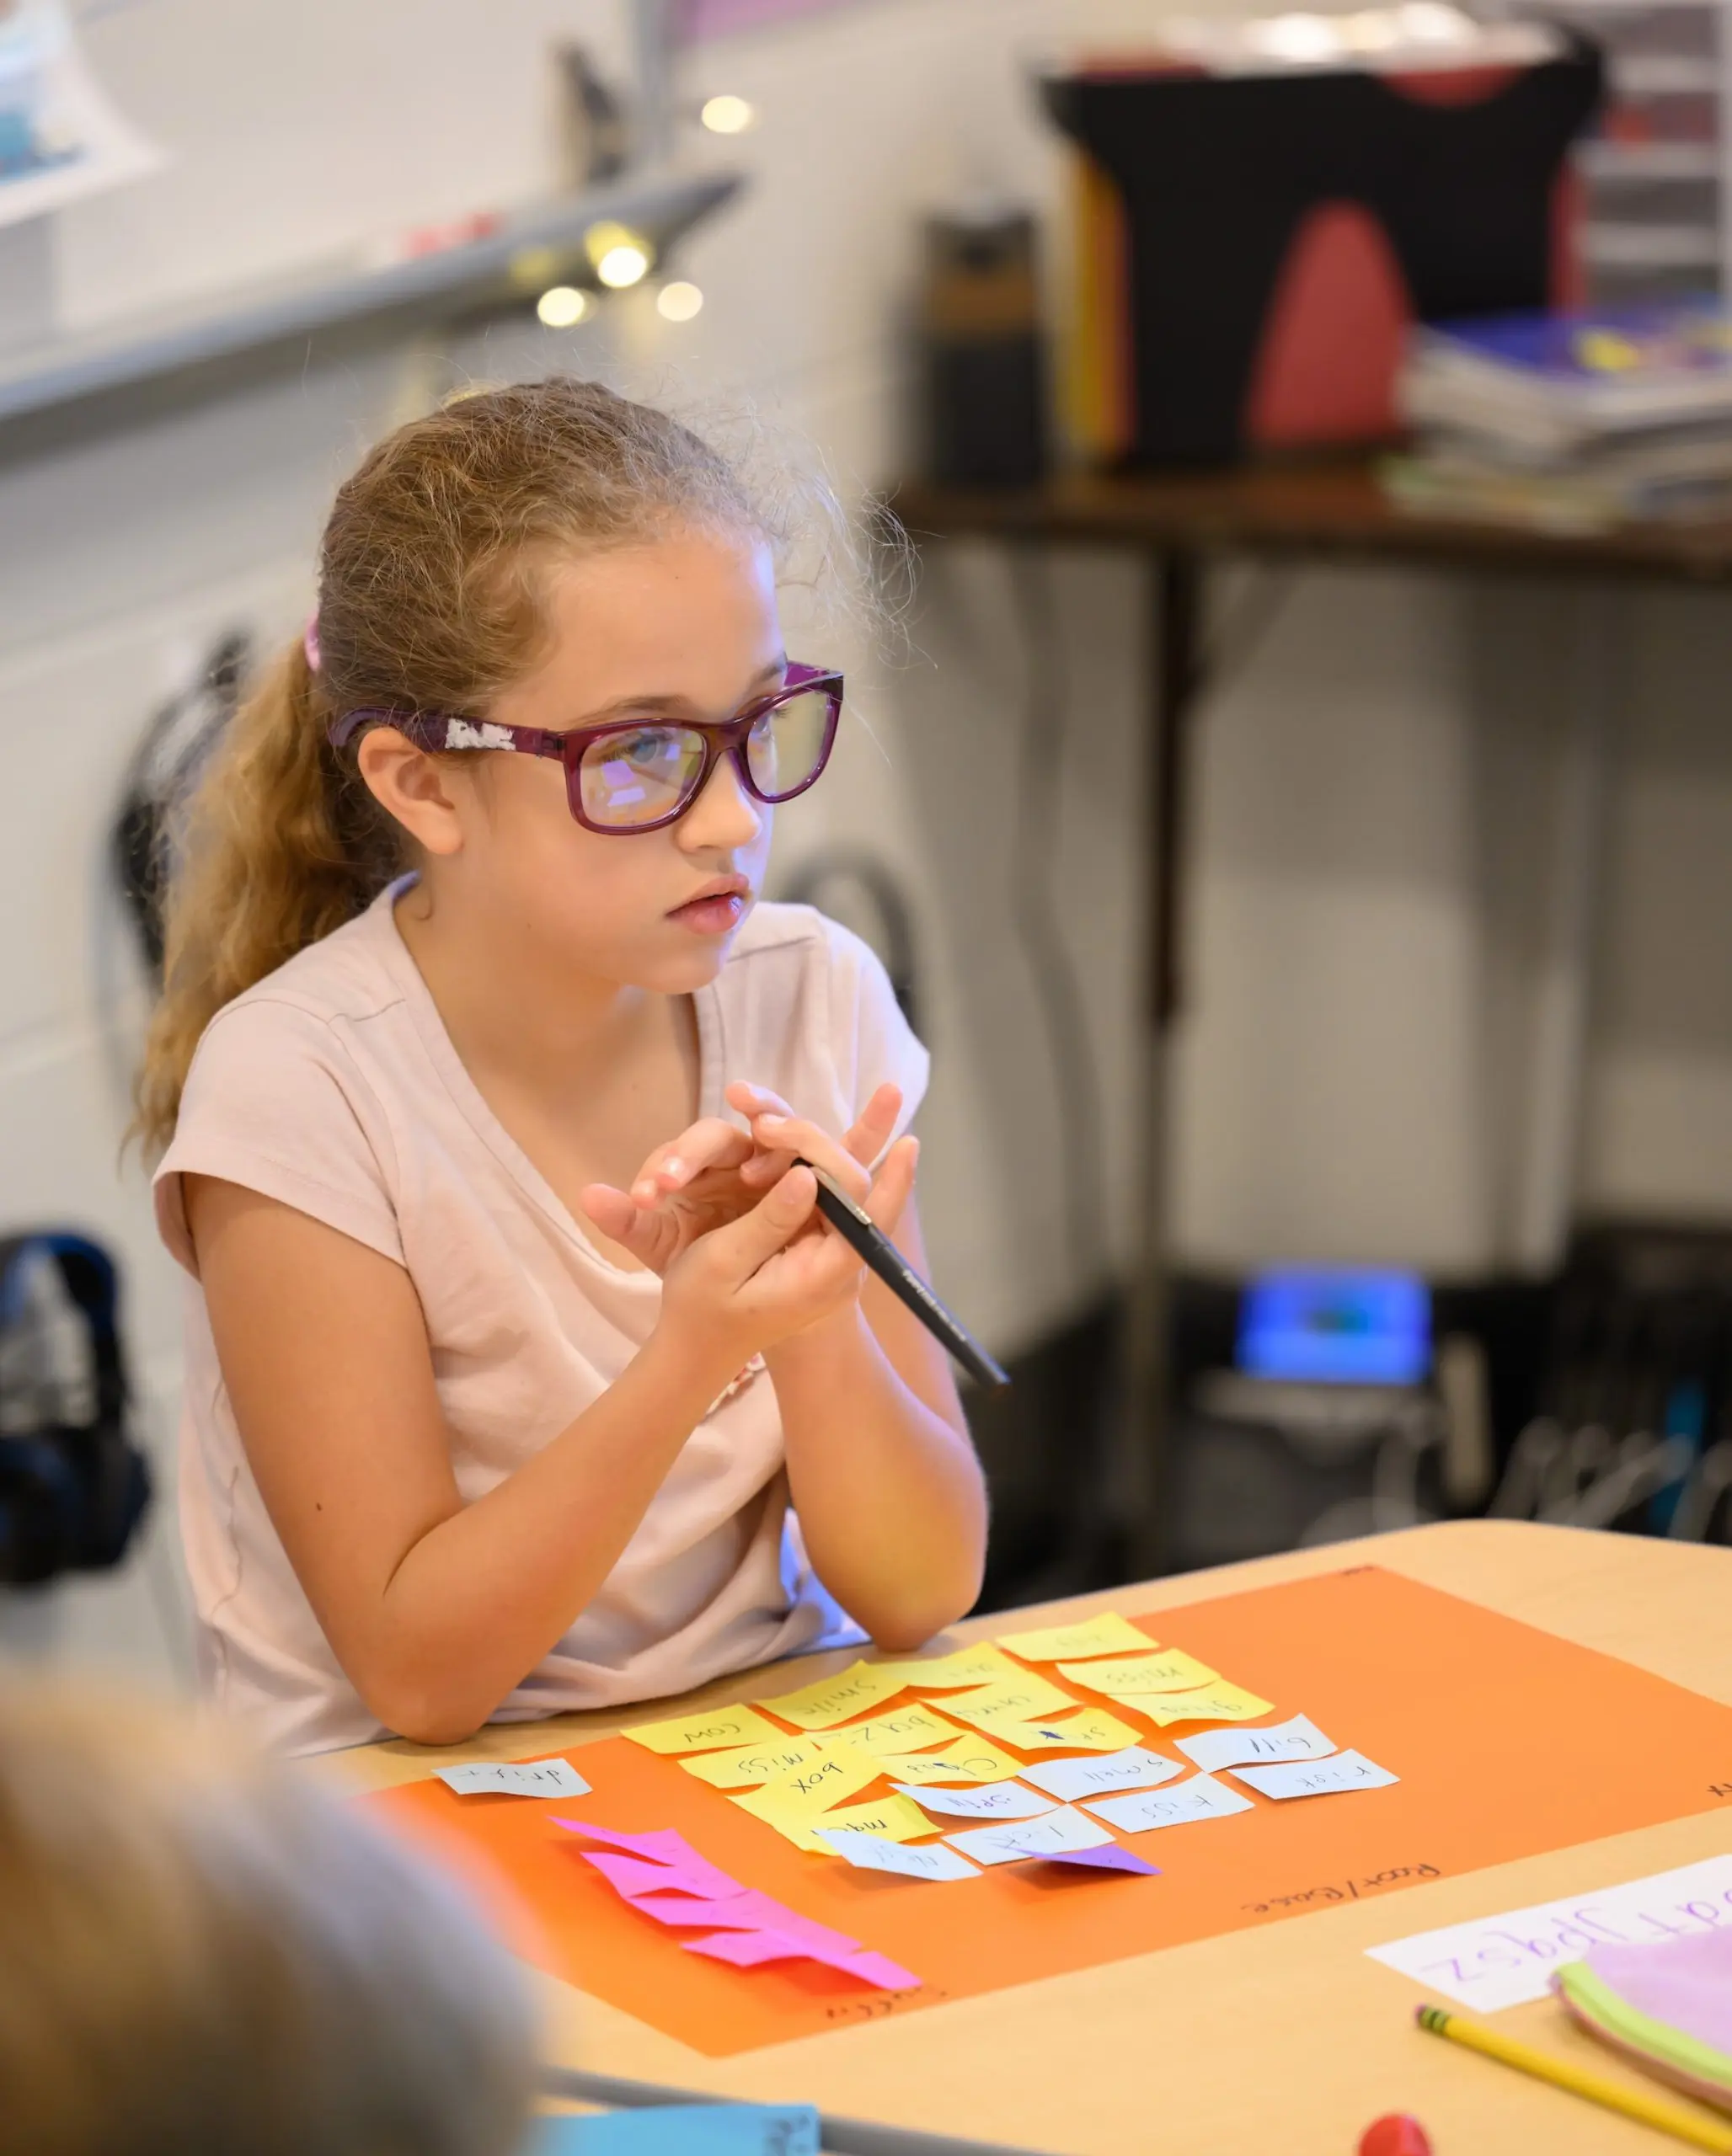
[{"x": 725, "y": 815}]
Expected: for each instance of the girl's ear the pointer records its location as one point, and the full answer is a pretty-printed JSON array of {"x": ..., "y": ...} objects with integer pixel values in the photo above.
[{"x": 412, "y": 786}]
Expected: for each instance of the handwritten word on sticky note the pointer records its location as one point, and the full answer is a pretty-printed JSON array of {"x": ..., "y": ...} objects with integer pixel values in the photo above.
[
  {"x": 715, "y": 1729},
  {"x": 1133, "y": 1767},
  {"x": 1215, "y": 1748},
  {"x": 833, "y": 1699},
  {"x": 1173, "y": 1670},
  {"x": 1011, "y": 1841},
  {"x": 1202, "y": 1798},
  {"x": 515, "y": 1777},
  {"x": 892, "y": 1818},
  {"x": 1317, "y": 1777},
  {"x": 756, "y": 1763},
  {"x": 871, "y": 1852},
  {"x": 997, "y": 1800},
  {"x": 1213, "y": 1703},
  {"x": 1502, "y": 1960},
  {"x": 901, "y": 1729},
  {"x": 1026, "y": 1698},
  {"x": 802, "y": 1795},
  {"x": 951, "y": 1673},
  {"x": 970, "y": 1759},
  {"x": 1107, "y": 1634},
  {"x": 1091, "y": 1730}
]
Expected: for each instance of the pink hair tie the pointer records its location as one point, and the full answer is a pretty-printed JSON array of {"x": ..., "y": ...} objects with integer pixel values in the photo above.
[{"x": 309, "y": 640}]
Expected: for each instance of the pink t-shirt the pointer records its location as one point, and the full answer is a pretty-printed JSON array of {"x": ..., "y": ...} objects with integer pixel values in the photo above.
[{"x": 332, "y": 1085}]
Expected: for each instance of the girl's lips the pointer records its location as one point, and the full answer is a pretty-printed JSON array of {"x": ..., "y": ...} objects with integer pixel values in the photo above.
[{"x": 715, "y": 915}]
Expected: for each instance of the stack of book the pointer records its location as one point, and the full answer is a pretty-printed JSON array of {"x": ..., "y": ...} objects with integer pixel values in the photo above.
[{"x": 1570, "y": 422}]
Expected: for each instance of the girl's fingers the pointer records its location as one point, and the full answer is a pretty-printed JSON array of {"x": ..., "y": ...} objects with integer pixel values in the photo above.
[
  {"x": 878, "y": 1119},
  {"x": 712, "y": 1143},
  {"x": 613, "y": 1212},
  {"x": 748, "y": 1100},
  {"x": 893, "y": 1184},
  {"x": 745, "y": 1244},
  {"x": 784, "y": 1134}
]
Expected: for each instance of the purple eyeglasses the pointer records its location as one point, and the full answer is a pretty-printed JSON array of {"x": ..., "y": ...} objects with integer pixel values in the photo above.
[{"x": 638, "y": 775}]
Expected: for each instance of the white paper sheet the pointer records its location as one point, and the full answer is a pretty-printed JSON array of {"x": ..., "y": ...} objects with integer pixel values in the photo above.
[
  {"x": 1014, "y": 1839},
  {"x": 1202, "y": 1798},
  {"x": 1505, "y": 1961},
  {"x": 1134, "y": 1768},
  {"x": 990, "y": 1800},
  {"x": 1215, "y": 1748},
  {"x": 1317, "y": 1777},
  {"x": 872, "y": 1853},
  {"x": 515, "y": 1777}
]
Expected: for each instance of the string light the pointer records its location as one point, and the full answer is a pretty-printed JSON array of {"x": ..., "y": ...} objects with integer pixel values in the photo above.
[
  {"x": 678, "y": 302},
  {"x": 727, "y": 115},
  {"x": 562, "y": 305}
]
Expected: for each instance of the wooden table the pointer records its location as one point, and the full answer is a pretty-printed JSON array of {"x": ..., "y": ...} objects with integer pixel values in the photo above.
[
  {"x": 1286, "y": 2040},
  {"x": 1323, "y": 513}
]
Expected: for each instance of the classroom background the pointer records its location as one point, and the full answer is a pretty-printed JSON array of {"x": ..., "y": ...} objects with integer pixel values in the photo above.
[{"x": 1449, "y": 1067}]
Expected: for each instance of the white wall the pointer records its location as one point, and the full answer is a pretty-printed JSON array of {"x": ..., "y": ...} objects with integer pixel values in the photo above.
[{"x": 1373, "y": 778}]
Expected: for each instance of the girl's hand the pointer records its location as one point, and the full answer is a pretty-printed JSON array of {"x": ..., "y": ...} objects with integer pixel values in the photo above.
[
  {"x": 740, "y": 1289},
  {"x": 713, "y": 1173}
]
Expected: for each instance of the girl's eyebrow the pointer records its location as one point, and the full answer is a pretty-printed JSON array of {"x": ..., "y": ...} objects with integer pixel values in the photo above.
[{"x": 769, "y": 676}]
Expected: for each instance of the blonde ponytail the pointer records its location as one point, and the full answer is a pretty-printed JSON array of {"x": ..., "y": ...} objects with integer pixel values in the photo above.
[
  {"x": 281, "y": 845},
  {"x": 430, "y": 598}
]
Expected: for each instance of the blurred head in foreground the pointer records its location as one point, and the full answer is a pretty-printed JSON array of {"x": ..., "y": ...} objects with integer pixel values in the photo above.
[{"x": 202, "y": 1955}]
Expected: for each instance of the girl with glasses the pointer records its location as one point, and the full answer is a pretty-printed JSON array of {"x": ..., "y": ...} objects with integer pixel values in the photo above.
[{"x": 522, "y": 1375}]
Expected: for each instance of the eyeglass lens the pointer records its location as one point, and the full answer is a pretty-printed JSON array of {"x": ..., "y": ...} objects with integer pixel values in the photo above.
[{"x": 643, "y": 775}]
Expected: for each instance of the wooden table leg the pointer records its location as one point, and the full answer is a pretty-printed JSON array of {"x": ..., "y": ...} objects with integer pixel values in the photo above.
[{"x": 1175, "y": 665}]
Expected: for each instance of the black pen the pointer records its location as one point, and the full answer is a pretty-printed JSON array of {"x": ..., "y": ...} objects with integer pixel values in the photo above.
[{"x": 857, "y": 1229}]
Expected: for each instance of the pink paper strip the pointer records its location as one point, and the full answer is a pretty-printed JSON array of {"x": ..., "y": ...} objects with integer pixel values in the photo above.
[
  {"x": 692, "y": 1874},
  {"x": 747, "y": 1950},
  {"x": 677, "y": 1886}
]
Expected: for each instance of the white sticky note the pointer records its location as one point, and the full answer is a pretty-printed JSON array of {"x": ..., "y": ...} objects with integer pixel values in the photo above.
[
  {"x": 1133, "y": 1767},
  {"x": 1215, "y": 1748},
  {"x": 871, "y": 1852},
  {"x": 1015, "y": 1839},
  {"x": 1507, "y": 1960},
  {"x": 992, "y": 1801},
  {"x": 1317, "y": 1777},
  {"x": 1202, "y": 1798},
  {"x": 515, "y": 1777}
]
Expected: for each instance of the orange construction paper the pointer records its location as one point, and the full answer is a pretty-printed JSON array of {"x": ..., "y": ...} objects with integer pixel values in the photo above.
[{"x": 1508, "y": 1742}]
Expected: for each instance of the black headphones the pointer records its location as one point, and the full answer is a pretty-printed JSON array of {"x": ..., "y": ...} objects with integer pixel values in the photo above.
[{"x": 70, "y": 1493}]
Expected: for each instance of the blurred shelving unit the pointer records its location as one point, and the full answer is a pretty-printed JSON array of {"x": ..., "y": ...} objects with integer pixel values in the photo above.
[{"x": 1656, "y": 174}]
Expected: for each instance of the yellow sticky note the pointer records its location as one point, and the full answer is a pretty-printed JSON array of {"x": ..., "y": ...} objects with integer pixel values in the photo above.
[
  {"x": 970, "y": 1759},
  {"x": 901, "y": 1729},
  {"x": 1107, "y": 1634},
  {"x": 756, "y": 1763},
  {"x": 950, "y": 1673},
  {"x": 1172, "y": 1670},
  {"x": 838, "y": 1698},
  {"x": 893, "y": 1818},
  {"x": 1023, "y": 1698},
  {"x": 1093, "y": 1730},
  {"x": 793, "y": 1798},
  {"x": 1217, "y": 1702},
  {"x": 716, "y": 1728}
]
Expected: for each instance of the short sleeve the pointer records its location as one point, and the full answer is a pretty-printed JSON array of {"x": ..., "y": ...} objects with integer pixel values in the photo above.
[
  {"x": 274, "y": 1101},
  {"x": 872, "y": 1042}
]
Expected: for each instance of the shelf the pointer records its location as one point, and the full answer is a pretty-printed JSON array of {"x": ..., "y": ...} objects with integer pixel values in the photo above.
[
  {"x": 127, "y": 371},
  {"x": 1634, "y": 246},
  {"x": 1639, "y": 163}
]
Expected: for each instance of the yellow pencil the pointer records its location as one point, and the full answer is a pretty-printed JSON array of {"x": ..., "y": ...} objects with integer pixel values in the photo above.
[{"x": 1652, "y": 2111}]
